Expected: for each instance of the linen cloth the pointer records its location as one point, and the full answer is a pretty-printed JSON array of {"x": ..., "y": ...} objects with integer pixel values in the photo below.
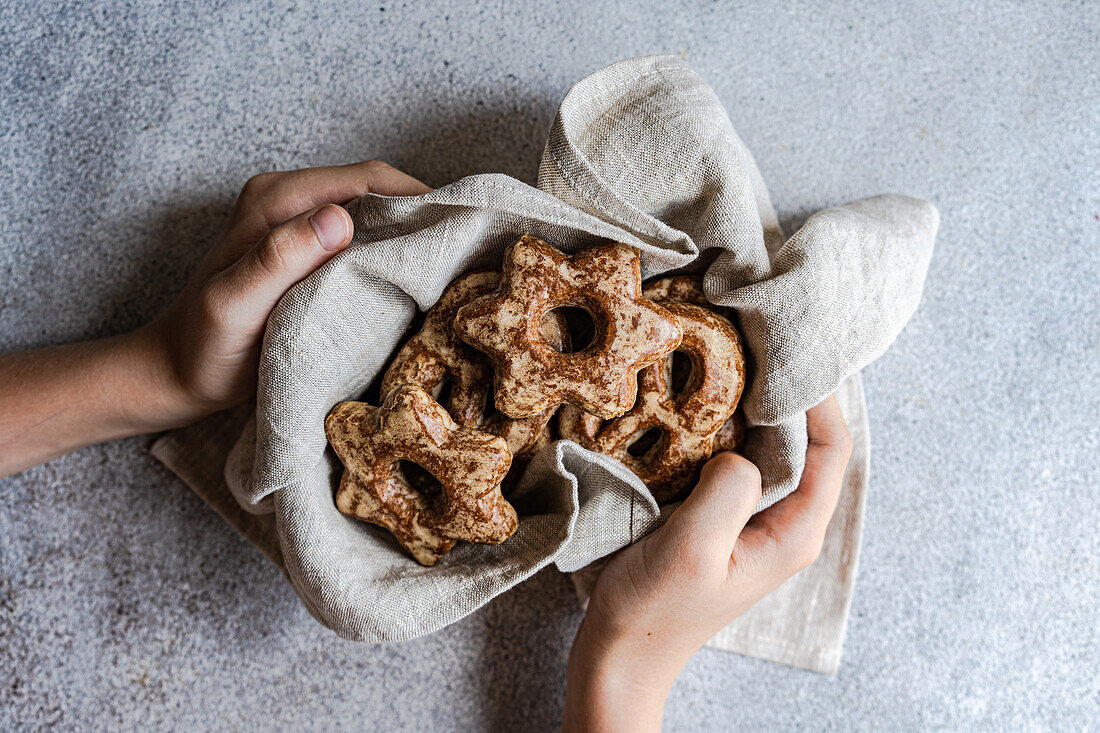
[{"x": 640, "y": 152}]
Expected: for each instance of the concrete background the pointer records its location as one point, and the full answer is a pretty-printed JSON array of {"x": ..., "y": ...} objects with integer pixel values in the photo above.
[{"x": 127, "y": 128}]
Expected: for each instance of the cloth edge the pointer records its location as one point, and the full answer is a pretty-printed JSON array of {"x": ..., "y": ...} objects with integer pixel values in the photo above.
[{"x": 258, "y": 529}]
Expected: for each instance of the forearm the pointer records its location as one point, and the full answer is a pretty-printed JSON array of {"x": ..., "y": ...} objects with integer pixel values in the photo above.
[{"x": 62, "y": 398}]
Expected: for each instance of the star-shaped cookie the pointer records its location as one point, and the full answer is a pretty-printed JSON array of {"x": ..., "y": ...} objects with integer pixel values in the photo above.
[
  {"x": 411, "y": 426},
  {"x": 631, "y": 331},
  {"x": 687, "y": 421},
  {"x": 459, "y": 376}
]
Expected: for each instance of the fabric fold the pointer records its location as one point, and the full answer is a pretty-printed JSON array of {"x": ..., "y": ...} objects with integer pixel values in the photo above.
[
  {"x": 642, "y": 153},
  {"x": 853, "y": 273}
]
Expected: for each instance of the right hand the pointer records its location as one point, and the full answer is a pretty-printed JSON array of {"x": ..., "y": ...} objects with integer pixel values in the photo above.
[{"x": 657, "y": 601}]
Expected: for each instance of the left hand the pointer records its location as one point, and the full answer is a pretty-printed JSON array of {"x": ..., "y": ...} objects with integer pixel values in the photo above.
[
  {"x": 202, "y": 354},
  {"x": 285, "y": 226}
]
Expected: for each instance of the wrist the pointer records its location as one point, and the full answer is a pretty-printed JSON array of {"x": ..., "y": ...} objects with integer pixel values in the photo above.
[
  {"x": 613, "y": 684},
  {"x": 73, "y": 395},
  {"x": 159, "y": 400}
]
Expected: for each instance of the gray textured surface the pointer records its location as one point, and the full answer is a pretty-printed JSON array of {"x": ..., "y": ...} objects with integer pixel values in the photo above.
[{"x": 126, "y": 129}]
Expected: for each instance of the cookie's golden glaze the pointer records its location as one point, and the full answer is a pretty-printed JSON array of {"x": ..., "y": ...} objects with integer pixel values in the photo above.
[
  {"x": 731, "y": 436},
  {"x": 689, "y": 289},
  {"x": 412, "y": 426},
  {"x": 436, "y": 354},
  {"x": 689, "y": 421},
  {"x": 680, "y": 289},
  {"x": 632, "y": 331}
]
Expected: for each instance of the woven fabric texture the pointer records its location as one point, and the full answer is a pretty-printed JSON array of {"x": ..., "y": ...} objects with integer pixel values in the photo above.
[{"x": 641, "y": 152}]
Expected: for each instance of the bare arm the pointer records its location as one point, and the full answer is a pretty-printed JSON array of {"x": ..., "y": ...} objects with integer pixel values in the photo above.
[
  {"x": 201, "y": 355},
  {"x": 62, "y": 398},
  {"x": 662, "y": 598}
]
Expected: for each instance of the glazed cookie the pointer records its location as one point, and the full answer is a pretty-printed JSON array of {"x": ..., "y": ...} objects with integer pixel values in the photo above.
[
  {"x": 411, "y": 426},
  {"x": 731, "y": 436},
  {"x": 435, "y": 358},
  {"x": 689, "y": 289},
  {"x": 680, "y": 289},
  {"x": 686, "y": 422},
  {"x": 631, "y": 331}
]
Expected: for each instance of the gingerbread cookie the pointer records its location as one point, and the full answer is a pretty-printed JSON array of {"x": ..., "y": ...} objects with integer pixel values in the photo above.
[
  {"x": 436, "y": 356},
  {"x": 687, "y": 422},
  {"x": 411, "y": 426},
  {"x": 681, "y": 289},
  {"x": 731, "y": 436},
  {"x": 689, "y": 289},
  {"x": 631, "y": 331}
]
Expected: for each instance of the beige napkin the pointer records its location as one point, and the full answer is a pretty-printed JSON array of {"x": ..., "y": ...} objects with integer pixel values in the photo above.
[
  {"x": 643, "y": 153},
  {"x": 802, "y": 623}
]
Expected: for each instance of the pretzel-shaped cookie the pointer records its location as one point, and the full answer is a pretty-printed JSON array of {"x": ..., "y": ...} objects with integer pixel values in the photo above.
[
  {"x": 632, "y": 332},
  {"x": 688, "y": 421},
  {"x": 436, "y": 354},
  {"x": 410, "y": 425}
]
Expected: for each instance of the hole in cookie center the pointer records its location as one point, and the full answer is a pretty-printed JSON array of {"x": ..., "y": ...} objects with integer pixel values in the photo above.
[
  {"x": 579, "y": 324},
  {"x": 646, "y": 443},
  {"x": 420, "y": 478},
  {"x": 679, "y": 374}
]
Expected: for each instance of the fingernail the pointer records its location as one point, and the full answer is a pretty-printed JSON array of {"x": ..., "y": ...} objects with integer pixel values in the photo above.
[{"x": 331, "y": 226}]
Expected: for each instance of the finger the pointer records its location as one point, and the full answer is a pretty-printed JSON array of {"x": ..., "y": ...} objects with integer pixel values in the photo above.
[
  {"x": 270, "y": 199},
  {"x": 389, "y": 181},
  {"x": 794, "y": 528},
  {"x": 288, "y": 254},
  {"x": 716, "y": 510}
]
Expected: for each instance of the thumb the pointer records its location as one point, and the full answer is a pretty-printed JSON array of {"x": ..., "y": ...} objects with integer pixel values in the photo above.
[
  {"x": 289, "y": 253},
  {"x": 720, "y": 505}
]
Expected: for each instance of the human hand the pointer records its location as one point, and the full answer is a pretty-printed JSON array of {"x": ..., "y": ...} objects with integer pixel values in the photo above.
[
  {"x": 285, "y": 226},
  {"x": 659, "y": 600},
  {"x": 201, "y": 355}
]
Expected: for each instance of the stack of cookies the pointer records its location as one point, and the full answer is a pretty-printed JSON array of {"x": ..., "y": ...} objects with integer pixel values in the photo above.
[{"x": 654, "y": 381}]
